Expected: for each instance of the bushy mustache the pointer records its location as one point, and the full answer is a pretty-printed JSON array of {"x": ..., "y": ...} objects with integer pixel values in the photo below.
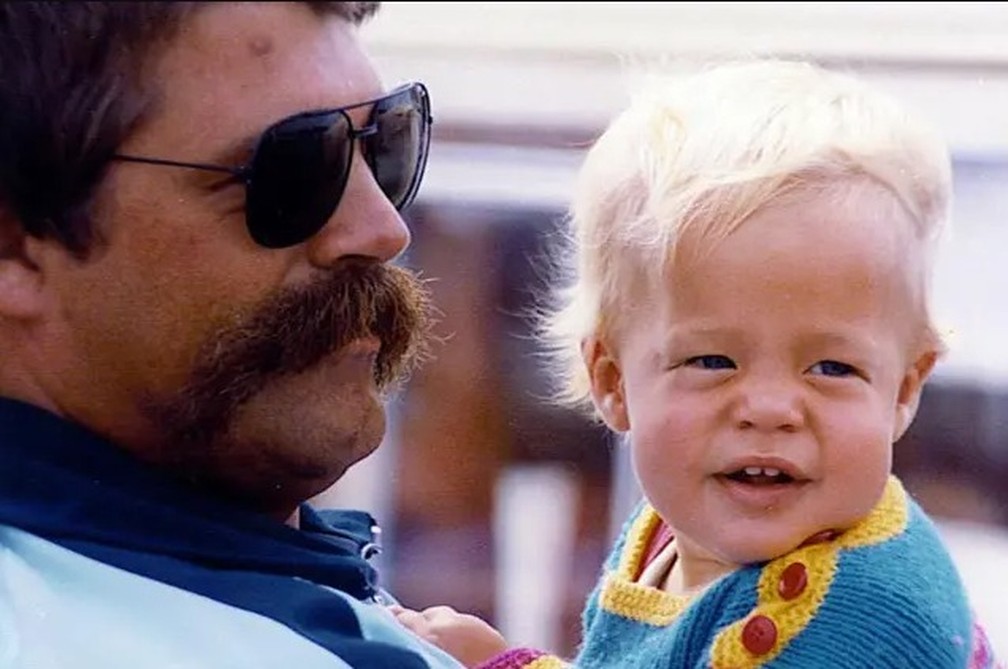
[{"x": 295, "y": 330}]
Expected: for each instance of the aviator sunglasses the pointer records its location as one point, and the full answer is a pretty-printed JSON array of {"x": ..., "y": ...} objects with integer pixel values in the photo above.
[{"x": 301, "y": 164}]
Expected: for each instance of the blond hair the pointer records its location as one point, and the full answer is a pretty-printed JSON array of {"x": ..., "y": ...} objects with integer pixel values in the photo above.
[{"x": 701, "y": 153}]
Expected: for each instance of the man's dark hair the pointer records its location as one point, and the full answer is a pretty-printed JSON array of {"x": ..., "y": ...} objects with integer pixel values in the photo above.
[{"x": 71, "y": 91}]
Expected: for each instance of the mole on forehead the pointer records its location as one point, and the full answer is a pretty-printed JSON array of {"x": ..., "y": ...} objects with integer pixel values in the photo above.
[{"x": 260, "y": 45}]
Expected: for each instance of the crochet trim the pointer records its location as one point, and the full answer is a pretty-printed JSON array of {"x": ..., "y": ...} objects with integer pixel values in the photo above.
[
  {"x": 548, "y": 662},
  {"x": 622, "y": 595},
  {"x": 790, "y": 617}
]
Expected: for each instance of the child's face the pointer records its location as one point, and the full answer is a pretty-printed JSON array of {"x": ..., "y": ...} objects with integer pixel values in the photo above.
[{"x": 764, "y": 388}]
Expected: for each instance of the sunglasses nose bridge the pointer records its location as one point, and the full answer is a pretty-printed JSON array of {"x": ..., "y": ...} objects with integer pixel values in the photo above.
[{"x": 365, "y": 131}]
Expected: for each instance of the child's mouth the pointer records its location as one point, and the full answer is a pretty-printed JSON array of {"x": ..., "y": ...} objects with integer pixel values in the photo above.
[
  {"x": 760, "y": 476},
  {"x": 762, "y": 487}
]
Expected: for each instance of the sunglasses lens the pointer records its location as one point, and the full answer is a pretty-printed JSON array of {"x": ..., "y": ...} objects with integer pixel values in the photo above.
[
  {"x": 302, "y": 163},
  {"x": 298, "y": 175},
  {"x": 397, "y": 152}
]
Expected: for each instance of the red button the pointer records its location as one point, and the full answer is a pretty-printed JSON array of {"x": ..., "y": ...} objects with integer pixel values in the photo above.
[
  {"x": 793, "y": 580},
  {"x": 759, "y": 635}
]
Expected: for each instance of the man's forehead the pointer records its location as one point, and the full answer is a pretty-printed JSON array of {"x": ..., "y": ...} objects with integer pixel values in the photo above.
[
  {"x": 261, "y": 46},
  {"x": 236, "y": 68}
]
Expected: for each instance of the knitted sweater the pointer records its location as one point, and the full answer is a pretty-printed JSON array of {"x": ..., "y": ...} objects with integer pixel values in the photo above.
[{"x": 883, "y": 594}]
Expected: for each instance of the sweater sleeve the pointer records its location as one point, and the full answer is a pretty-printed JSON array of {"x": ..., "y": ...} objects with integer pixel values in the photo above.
[
  {"x": 982, "y": 655},
  {"x": 524, "y": 658}
]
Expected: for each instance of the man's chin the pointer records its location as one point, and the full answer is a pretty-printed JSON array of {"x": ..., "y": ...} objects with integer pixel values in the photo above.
[
  {"x": 296, "y": 437},
  {"x": 273, "y": 476}
]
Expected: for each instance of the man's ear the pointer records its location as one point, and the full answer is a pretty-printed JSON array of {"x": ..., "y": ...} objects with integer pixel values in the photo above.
[
  {"x": 910, "y": 391},
  {"x": 606, "y": 379},
  {"x": 21, "y": 277}
]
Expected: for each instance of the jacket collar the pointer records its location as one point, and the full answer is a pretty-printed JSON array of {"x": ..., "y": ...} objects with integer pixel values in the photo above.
[{"x": 70, "y": 486}]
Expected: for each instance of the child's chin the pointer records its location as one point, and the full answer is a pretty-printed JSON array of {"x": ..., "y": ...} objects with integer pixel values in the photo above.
[{"x": 758, "y": 552}]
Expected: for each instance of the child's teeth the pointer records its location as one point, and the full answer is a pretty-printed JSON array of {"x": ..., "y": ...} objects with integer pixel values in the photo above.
[
  {"x": 770, "y": 471},
  {"x": 753, "y": 471}
]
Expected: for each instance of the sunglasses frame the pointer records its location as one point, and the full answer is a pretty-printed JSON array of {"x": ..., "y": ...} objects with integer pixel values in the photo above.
[{"x": 246, "y": 173}]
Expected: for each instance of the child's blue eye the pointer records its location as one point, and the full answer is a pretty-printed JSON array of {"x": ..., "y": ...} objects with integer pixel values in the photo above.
[
  {"x": 832, "y": 368},
  {"x": 710, "y": 362}
]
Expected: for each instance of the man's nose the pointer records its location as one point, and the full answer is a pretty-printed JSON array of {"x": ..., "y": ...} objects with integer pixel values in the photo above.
[{"x": 365, "y": 224}]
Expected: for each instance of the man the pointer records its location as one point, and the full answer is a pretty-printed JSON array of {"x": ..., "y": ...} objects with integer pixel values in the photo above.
[{"x": 199, "y": 206}]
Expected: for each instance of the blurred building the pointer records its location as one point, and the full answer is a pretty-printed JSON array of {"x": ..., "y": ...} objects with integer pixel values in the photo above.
[{"x": 478, "y": 472}]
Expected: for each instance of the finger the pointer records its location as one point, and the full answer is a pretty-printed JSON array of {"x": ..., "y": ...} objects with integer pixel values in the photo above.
[
  {"x": 414, "y": 621},
  {"x": 439, "y": 611}
]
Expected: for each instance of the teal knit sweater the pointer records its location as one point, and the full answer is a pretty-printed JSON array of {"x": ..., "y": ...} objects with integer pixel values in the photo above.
[{"x": 883, "y": 594}]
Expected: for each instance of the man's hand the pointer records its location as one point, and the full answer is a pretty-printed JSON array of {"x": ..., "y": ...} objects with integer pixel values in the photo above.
[{"x": 465, "y": 637}]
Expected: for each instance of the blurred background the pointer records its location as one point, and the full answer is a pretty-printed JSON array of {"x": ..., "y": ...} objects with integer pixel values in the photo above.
[{"x": 496, "y": 503}]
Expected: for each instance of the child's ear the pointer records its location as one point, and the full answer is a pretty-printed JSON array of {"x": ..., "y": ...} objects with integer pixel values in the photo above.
[
  {"x": 606, "y": 379},
  {"x": 910, "y": 391}
]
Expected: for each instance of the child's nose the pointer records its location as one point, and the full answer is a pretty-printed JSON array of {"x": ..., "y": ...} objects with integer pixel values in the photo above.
[{"x": 769, "y": 405}]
